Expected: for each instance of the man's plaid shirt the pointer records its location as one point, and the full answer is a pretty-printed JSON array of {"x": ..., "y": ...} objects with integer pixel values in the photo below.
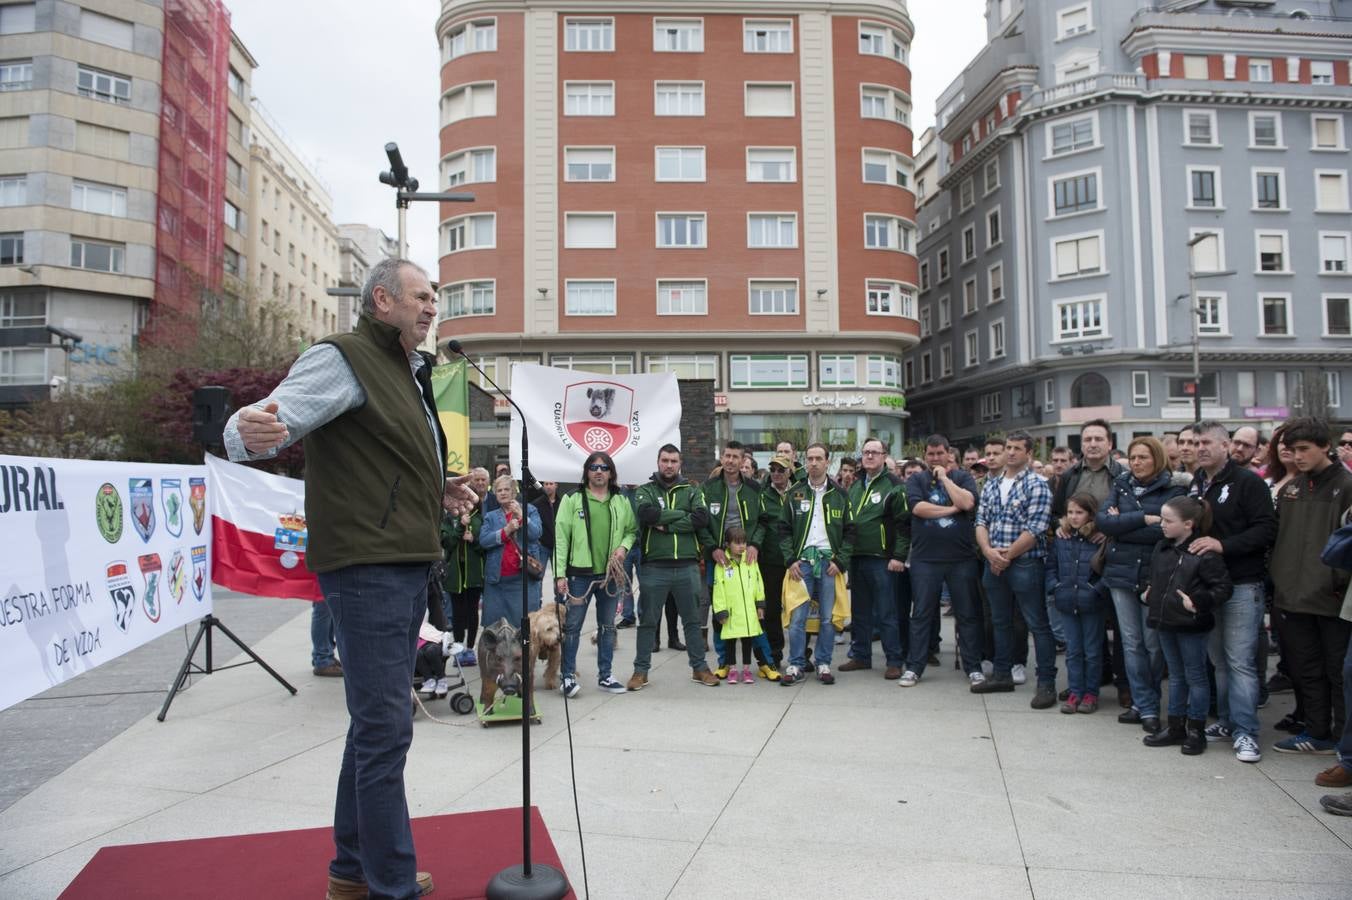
[{"x": 1029, "y": 509}]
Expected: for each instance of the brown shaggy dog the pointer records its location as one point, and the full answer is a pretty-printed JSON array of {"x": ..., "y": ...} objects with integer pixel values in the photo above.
[{"x": 546, "y": 634}]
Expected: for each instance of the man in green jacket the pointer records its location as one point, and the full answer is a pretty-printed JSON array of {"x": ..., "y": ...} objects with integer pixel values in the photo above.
[
  {"x": 815, "y": 543},
  {"x": 732, "y": 501},
  {"x": 594, "y": 529},
  {"x": 670, "y": 512},
  {"x": 881, "y": 541},
  {"x": 463, "y": 580},
  {"x": 772, "y": 565}
]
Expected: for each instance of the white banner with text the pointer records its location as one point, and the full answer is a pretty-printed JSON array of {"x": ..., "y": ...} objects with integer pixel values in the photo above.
[{"x": 99, "y": 558}]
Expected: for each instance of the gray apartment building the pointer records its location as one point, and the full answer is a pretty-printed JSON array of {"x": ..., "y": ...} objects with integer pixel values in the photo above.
[{"x": 1108, "y": 174}]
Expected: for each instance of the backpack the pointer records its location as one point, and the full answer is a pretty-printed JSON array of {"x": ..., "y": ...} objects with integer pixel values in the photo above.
[{"x": 1337, "y": 552}]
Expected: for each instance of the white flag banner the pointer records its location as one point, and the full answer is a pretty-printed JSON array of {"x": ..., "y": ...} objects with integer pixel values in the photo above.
[
  {"x": 99, "y": 558},
  {"x": 571, "y": 414}
]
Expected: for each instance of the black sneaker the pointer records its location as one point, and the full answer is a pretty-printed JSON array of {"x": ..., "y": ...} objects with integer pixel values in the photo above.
[
  {"x": 1290, "y": 724},
  {"x": 1279, "y": 684},
  {"x": 995, "y": 684},
  {"x": 625, "y": 623},
  {"x": 1045, "y": 698},
  {"x": 1130, "y": 716}
]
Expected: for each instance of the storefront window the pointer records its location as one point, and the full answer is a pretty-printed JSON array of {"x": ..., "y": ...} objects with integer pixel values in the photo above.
[
  {"x": 888, "y": 430},
  {"x": 841, "y": 433},
  {"x": 760, "y": 433}
]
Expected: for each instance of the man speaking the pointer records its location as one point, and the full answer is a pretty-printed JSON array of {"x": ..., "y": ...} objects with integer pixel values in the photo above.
[{"x": 375, "y": 486}]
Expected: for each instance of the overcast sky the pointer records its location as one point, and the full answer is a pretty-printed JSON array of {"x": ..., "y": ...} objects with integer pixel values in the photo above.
[{"x": 341, "y": 79}]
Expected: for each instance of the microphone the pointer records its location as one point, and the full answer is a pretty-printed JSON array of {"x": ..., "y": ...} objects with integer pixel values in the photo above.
[{"x": 527, "y": 480}]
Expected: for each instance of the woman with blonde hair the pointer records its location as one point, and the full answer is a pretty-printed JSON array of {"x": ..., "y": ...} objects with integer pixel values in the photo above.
[{"x": 504, "y": 566}]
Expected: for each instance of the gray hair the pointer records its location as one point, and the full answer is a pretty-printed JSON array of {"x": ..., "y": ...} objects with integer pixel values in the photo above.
[
  {"x": 1211, "y": 425},
  {"x": 387, "y": 274}
]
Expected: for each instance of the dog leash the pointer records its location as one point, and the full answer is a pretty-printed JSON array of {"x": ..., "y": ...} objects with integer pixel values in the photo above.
[{"x": 615, "y": 582}]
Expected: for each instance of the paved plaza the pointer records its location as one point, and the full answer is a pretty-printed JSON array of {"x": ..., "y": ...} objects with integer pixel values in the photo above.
[{"x": 859, "y": 789}]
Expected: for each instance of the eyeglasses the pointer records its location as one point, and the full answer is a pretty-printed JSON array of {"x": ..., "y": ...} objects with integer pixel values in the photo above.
[
  {"x": 873, "y": 453},
  {"x": 777, "y": 468},
  {"x": 598, "y": 467},
  {"x": 1345, "y": 443}
]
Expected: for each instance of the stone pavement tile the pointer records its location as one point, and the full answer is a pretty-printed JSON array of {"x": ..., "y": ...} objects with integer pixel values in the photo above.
[
  {"x": 65, "y": 811},
  {"x": 634, "y": 793},
  {"x": 933, "y": 813},
  {"x": 1165, "y": 820},
  {"x": 1307, "y": 794},
  {"x": 1070, "y": 884},
  {"x": 49, "y": 876},
  {"x": 215, "y": 814},
  {"x": 621, "y": 865},
  {"x": 687, "y": 724},
  {"x": 1050, "y": 741},
  {"x": 952, "y": 739},
  {"x": 801, "y": 867}
]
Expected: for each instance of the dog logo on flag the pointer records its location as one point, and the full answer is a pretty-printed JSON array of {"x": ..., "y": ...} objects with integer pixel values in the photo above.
[
  {"x": 178, "y": 576},
  {"x": 199, "y": 572},
  {"x": 597, "y": 415},
  {"x": 142, "y": 492},
  {"x": 108, "y": 513},
  {"x": 290, "y": 538},
  {"x": 171, "y": 495},
  {"x": 150, "y": 600},
  {"x": 123, "y": 593},
  {"x": 197, "y": 501}
]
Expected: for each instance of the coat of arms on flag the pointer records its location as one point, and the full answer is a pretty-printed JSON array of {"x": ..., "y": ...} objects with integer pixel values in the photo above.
[{"x": 597, "y": 415}]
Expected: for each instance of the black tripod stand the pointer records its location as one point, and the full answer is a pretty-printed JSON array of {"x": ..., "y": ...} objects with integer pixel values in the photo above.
[{"x": 208, "y": 623}]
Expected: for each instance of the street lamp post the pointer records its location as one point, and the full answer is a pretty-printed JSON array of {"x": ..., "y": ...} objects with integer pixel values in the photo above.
[{"x": 1195, "y": 313}]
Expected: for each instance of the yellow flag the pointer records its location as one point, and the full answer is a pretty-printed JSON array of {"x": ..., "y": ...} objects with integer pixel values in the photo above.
[{"x": 451, "y": 389}]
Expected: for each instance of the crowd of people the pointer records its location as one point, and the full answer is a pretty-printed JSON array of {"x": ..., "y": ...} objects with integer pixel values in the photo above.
[{"x": 1183, "y": 559}]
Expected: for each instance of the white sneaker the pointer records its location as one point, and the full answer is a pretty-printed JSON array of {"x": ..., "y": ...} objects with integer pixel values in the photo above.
[
  {"x": 450, "y": 647},
  {"x": 908, "y": 679},
  {"x": 1246, "y": 749},
  {"x": 1019, "y": 674},
  {"x": 987, "y": 667},
  {"x": 443, "y": 687},
  {"x": 824, "y": 674},
  {"x": 976, "y": 678}
]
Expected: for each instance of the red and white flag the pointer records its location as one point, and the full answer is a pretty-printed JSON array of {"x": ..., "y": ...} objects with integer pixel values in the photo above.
[{"x": 258, "y": 532}]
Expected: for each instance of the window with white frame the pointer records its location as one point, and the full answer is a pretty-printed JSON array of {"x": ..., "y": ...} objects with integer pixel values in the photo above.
[
  {"x": 1140, "y": 388},
  {"x": 470, "y": 167},
  {"x": 908, "y": 372},
  {"x": 23, "y": 310},
  {"x": 589, "y": 35},
  {"x": 926, "y": 368},
  {"x": 766, "y": 99},
  {"x": 468, "y": 101},
  {"x": 1265, "y": 131},
  {"x": 1199, "y": 128},
  {"x": 1078, "y": 255},
  {"x": 22, "y": 366},
  {"x": 886, "y": 167},
  {"x": 1337, "y": 315},
  {"x": 969, "y": 243},
  {"x": 942, "y": 257},
  {"x": 1204, "y": 187},
  {"x": 772, "y": 230},
  {"x": 1208, "y": 254},
  {"x": 682, "y": 298},
  {"x": 994, "y": 233},
  {"x": 771, "y": 164},
  {"x": 883, "y": 232},
  {"x": 924, "y": 275},
  {"x": 107, "y": 30},
  {"x": 1260, "y": 69},
  {"x": 18, "y": 18},
  {"x": 478, "y": 36},
  {"x": 837, "y": 371},
  {"x": 969, "y": 297},
  {"x": 990, "y": 175},
  {"x": 1326, "y": 132},
  {"x": 876, "y": 39},
  {"x": 1330, "y": 190},
  {"x": 773, "y": 298},
  {"x": 966, "y": 194},
  {"x": 1273, "y": 255},
  {"x": 992, "y": 406},
  {"x": 767, "y": 36},
  {"x": 678, "y": 35},
  {"x": 1049, "y": 395},
  {"x": 1180, "y": 388},
  {"x": 945, "y": 312},
  {"x": 234, "y": 216},
  {"x": 996, "y": 334},
  {"x": 1078, "y": 318},
  {"x": 945, "y": 360},
  {"x": 1212, "y": 315},
  {"x": 1074, "y": 20},
  {"x": 1195, "y": 68},
  {"x": 884, "y": 371},
  {"x": 678, "y": 98},
  {"x": 595, "y": 230},
  {"x": 971, "y": 348},
  {"x": 1269, "y": 189},
  {"x": 768, "y": 370},
  {"x": 925, "y": 317},
  {"x": 97, "y": 256},
  {"x": 1077, "y": 66},
  {"x": 1275, "y": 312},
  {"x": 995, "y": 283},
  {"x": 468, "y": 298},
  {"x": 476, "y": 232},
  {"x": 1321, "y": 71},
  {"x": 1071, "y": 135},
  {"x": 681, "y": 229},
  {"x": 879, "y": 102},
  {"x": 680, "y": 163},
  {"x": 1333, "y": 252},
  {"x": 614, "y": 364},
  {"x": 16, "y": 75},
  {"x": 888, "y": 298},
  {"x": 1333, "y": 385},
  {"x": 589, "y": 298},
  {"x": 589, "y": 164},
  {"x": 1076, "y": 192},
  {"x": 14, "y": 191},
  {"x": 703, "y": 366},
  {"x": 589, "y": 98},
  {"x": 103, "y": 86}
]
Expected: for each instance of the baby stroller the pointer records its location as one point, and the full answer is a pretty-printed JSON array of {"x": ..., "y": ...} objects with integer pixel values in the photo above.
[{"x": 437, "y": 670}]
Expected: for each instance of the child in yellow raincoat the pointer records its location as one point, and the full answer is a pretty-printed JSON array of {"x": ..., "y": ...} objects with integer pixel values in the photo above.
[{"x": 738, "y": 607}]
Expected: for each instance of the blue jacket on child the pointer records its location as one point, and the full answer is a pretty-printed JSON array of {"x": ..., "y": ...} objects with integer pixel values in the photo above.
[{"x": 1071, "y": 579}]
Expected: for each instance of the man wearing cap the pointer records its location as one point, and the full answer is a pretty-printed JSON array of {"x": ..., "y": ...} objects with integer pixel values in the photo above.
[{"x": 772, "y": 565}]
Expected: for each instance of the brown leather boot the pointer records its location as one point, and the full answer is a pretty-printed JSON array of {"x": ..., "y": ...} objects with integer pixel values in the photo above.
[{"x": 347, "y": 889}]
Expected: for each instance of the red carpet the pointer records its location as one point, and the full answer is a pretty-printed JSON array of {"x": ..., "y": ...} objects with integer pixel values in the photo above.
[{"x": 462, "y": 852}]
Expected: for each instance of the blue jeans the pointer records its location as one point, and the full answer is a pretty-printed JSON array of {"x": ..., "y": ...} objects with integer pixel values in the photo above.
[
  {"x": 1021, "y": 583},
  {"x": 873, "y": 596},
  {"x": 631, "y": 563},
  {"x": 928, "y": 580},
  {"x": 1054, "y": 618},
  {"x": 822, "y": 588},
  {"x": 1084, "y": 650},
  {"x": 1189, "y": 691},
  {"x": 1141, "y": 651},
  {"x": 322, "y": 639},
  {"x": 1233, "y": 643},
  {"x": 902, "y": 601},
  {"x": 576, "y": 613},
  {"x": 376, "y": 611},
  {"x": 502, "y": 600},
  {"x": 1345, "y": 742}
]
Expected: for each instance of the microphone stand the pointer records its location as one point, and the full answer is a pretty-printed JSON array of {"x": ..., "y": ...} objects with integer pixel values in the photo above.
[{"x": 526, "y": 881}]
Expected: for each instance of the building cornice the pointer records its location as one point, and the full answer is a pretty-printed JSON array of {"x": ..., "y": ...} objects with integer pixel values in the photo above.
[
  {"x": 730, "y": 341},
  {"x": 1269, "y": 42},
  {"x": 1004, "y": 81}
]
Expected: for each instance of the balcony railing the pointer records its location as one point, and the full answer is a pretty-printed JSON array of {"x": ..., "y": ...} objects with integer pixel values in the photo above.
[{"x": 1096, "y": 84}]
